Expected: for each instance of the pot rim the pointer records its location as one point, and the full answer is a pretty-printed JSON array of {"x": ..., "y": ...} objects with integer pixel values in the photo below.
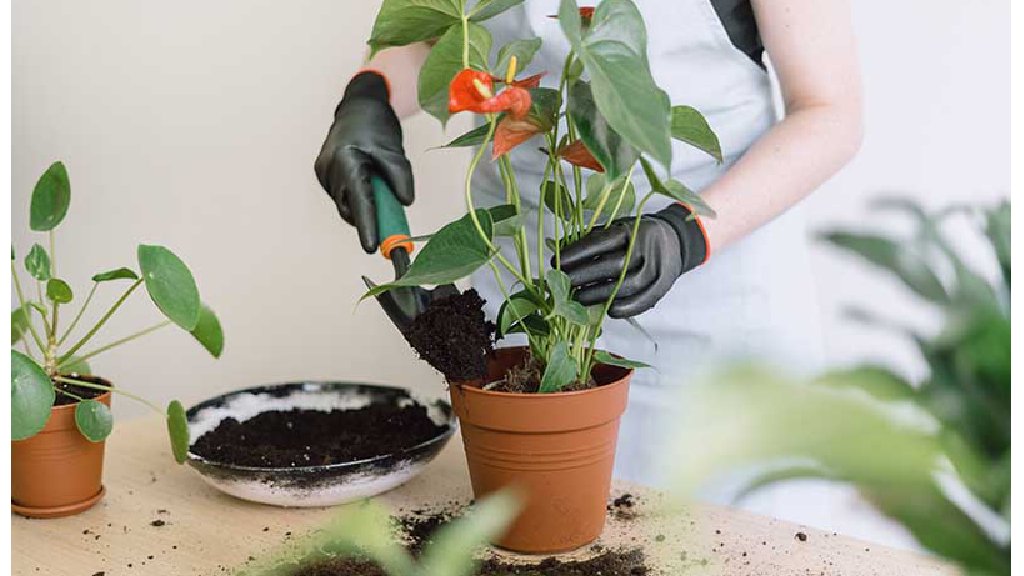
[
  {"x": 463, "y": 384},
  {"x": 72, "y": 406}
]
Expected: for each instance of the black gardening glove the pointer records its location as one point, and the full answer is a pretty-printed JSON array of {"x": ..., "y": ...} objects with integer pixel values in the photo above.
[
  {"x": 365, "y": 139},
  {"x": 668, "y": 244}
]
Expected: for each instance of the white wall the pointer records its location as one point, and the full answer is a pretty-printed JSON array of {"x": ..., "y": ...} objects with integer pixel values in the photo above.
[{"x": 194, "y": 124}]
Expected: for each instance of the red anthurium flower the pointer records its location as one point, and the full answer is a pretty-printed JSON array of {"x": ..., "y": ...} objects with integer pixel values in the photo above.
[
  {"x": 578, "y": 155},
  {"x": 511, "y": 133},
  {"x": 472, "y": 90},
  {"x": 528, "y": 82},
  {"x": 586, "y": 14}
]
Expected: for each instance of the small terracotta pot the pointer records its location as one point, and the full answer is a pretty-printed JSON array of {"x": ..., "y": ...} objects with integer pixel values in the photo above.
[
  {"x": 57, "y": 472},
  {"x": 556, "y": 449}
]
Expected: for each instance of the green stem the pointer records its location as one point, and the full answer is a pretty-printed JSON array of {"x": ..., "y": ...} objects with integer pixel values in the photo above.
[
  {"x": 95, "y": 386},
  {"x": 622, "y": 198},
  {"x": 465, "y": 33},
  {"x": 540, "y": 217},
  {"x": 78, "y": 316},
  {"x": 622, "y": 278},
  {"x": 115, "y": 343},
  {"x": 53, "y": 274},
  {"x": 102, "y": 321},
  {"x": 26, "y": 311}
]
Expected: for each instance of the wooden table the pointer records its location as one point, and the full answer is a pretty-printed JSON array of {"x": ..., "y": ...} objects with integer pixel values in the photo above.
[{"x": 160, "y": 518}]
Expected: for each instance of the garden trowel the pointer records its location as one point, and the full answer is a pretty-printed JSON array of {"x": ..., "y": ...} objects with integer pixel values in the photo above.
[{"x": 404, "y": 303}]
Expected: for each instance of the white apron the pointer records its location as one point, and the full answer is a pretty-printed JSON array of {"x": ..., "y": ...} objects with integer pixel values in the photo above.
[{"x": 753, "y": 300}]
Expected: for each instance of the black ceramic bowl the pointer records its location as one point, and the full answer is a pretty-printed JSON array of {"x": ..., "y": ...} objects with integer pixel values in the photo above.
[{"x": 324, "y": 485}]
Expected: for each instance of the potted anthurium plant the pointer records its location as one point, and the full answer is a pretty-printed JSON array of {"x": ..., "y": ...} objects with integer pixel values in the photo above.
[
  {"x": 60, "y": 412},
  {"x": 545, "y": 416}
]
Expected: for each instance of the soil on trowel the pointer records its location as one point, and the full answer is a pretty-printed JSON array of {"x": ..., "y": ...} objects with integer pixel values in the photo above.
[
  {"x": 454, "y": 336},
  {"x": 417, "y": 528},
  {"x": 314, "y": 438}
]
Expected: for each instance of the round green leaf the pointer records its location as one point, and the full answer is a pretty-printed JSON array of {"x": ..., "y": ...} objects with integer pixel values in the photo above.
[
  {"x": 170, "y": 285},
  {"x": 121, "y": 273},
  {"x": 37, "y": 262},
  {"x": 94, "y": 420},
  {"x": 19, "y": 324},
  {"x": 208, "y": 332},
  {"x": 177, "y": 429},
  {"x": 50, "y": 198},
  {"x": 58, "y": 291},
  {"x": 32, "y": 397},
  {"x": 76, "y": 365}
]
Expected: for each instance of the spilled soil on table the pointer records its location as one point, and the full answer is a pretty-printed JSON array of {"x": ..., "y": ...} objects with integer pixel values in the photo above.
[
  {"x": 282, "y": 438},
  {"x": 417, "y": 527}
]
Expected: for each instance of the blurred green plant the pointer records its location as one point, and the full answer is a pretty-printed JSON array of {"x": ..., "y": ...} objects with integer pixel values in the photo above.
[
  {"x": 906, "y": 446},
  {"x": 364, "y": 530},
  {"x": 46, "y": 364}
]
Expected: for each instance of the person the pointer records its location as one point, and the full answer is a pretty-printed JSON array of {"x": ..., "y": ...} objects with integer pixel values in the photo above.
[{"x": 738, "y": 285}]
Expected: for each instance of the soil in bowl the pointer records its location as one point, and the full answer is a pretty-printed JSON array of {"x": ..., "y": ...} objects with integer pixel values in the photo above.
[{"x": 298, "y": 437}]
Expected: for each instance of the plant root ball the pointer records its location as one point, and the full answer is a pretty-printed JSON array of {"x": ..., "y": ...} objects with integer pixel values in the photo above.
[{"x": 454, "y": 336}]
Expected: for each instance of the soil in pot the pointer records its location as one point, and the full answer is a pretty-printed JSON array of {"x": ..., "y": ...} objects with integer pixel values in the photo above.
[
  {"x": 62, "y": 399},
  {"x": 454, "y": 336},
  {"x": 281, "y": 438}
]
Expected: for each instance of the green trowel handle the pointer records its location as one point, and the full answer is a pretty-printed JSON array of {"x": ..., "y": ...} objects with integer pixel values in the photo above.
[{"x": 392, "y": 227}]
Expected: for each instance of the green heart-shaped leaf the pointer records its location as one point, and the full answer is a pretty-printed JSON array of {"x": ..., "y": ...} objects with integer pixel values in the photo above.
[
  {"x": 606, "y": 358},
  {"x": 58, "y": 291},
  {"x": 177, "y": 430},
  {"x": 614, "y": 52},
  {"x": 117, "y": 274},
  {"x": 677, "y": 191},
  {"x": 513, "y": 311},
  {"x": 94, "y": 420},
  {"x": 170, "y": 285},
  {"x": 32, "y": 397},
  {"x": 609, "y": 149},
  {"x": 522, "y": 48},
  {"x": 208, "y": 332},
  {"x": 505, "y": 219},
  {"x": 402, "y": 22},
  {"x": 50, "y": 198},
  {"x": 561, "y": 369},
  {"x": 37, "y": 262},
  {"x": 690, "y": 126},
  {"x": 485, "y": 9},
  {"x": 445, "y": 61},
  {"x": 453, "y": 252}
]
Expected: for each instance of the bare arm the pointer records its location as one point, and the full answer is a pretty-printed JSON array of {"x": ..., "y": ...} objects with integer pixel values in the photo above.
[
  {"x": 401, "y": 66},
  {"x": 811, "y": 45}
]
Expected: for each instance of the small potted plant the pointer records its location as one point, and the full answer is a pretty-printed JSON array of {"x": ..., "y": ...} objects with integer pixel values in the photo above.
[
  {"x": 60, "y": 412},
  {"x": 543, "y": 417}
]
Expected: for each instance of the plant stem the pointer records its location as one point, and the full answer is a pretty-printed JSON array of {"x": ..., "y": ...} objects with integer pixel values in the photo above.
[
  {"x": 622, "y": 278},
  {"x": 115, "y": 343},
  {"x": 78, "y": 316},
  {"x": 100, "y": 323},
  {"x": 540, "y": 216},
  {"x": 53, "y": 274},
  {"x": 95, "y": 386},
  {"x": 26, "y": 311},
  {"x": 465, "y": 33}
]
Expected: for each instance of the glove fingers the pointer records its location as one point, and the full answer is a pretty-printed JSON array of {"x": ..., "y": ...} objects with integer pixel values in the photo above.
[
  {"x": 598, "y": 292},
  {"x": 396, "y": 169},
  {"x": 605, "y": 268},
  {"x": 594, "y": 244},
  {"x": 640, "y": 301},
  {"x": 359, "y": 195},
  {"x": 332, "y": 178}
]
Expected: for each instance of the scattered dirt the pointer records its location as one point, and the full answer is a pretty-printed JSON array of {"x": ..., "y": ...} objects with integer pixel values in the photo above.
[
  {"x": 454, "y": 336},
  {"x": 158, "y": 523},
  {"x": 312, "y": 437},
  {"x": 418, "y": 526},
  {"x": 801, "y": 536},
  {"x": 623, "y": 507},
  {"x": 63, "y": 399}
]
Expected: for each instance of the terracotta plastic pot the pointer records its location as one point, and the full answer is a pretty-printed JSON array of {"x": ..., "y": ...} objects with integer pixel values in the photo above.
[
  {"x": 556, "y": 449},
  {"x": 57, "y": 472}
]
